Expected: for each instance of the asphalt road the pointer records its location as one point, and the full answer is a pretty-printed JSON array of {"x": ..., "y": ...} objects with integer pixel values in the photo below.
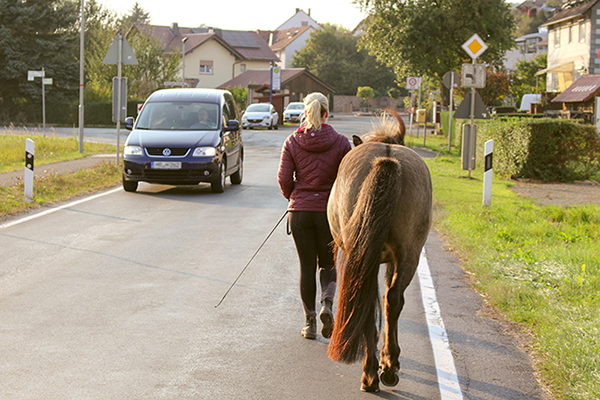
[{"x": 113, "y": 297}]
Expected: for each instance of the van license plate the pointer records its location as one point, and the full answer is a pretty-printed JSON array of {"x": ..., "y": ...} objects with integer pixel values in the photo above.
[{"x": 166, "y": 165}]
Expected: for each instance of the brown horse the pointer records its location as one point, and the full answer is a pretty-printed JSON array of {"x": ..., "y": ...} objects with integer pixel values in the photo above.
[{"x": 379, "y": 211}]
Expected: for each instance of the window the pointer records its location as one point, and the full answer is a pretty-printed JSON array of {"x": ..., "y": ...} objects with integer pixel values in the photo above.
[
  {"x": 571, "y": 28},
  {"x": 557, "y": 37},
  {"x": 582, "y": 32},
  {"x": 206, "y": 67},
  {"x": 242, "y": 67}
]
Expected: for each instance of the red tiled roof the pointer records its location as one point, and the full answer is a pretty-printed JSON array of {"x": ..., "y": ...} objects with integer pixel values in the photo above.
[{"x": 262, "y": 77}]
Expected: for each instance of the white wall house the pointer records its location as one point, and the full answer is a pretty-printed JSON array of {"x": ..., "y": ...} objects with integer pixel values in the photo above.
[
  {"x": 288, "y": 41},
  {"x": 299, "y": 19},
  {"x": 529, "y": 46}
]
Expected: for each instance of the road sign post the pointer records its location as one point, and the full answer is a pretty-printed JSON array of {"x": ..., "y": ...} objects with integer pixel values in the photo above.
[
  {"x": 119, "y": 53},
  {"x": 475, "y": 47},
  {"x": 31, "y": 75},
  {"x": 451, "y": 80}
]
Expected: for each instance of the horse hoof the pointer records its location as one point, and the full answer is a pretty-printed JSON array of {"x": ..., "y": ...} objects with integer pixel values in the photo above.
[
  {"x": 369, "y": 389},
  {"x": 389, "y": 378}
]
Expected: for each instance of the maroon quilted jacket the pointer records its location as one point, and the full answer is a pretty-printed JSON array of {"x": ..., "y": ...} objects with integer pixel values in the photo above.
[{"x": 309, "y": 166}]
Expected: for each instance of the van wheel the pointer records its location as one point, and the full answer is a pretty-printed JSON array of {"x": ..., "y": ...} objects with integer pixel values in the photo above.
[
  {"x": 236, "y": 178},
  {"x": 129, "y": 186},
  {"x": 218, "y": 185}
]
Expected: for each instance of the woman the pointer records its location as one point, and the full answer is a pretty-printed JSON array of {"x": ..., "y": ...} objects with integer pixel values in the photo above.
[{"x": 309, "y": 163}]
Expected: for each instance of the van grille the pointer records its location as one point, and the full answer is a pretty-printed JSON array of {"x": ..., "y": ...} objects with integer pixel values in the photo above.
[{"x": 175, "y": 152}]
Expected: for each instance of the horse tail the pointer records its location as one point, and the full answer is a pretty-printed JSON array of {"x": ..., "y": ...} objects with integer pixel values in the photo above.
[{"x": 364, "y": 237}]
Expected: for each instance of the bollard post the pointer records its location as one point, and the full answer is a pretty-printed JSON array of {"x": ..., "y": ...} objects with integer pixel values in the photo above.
[
  {"x": 29, "y": 153},
  {"x": 488, "y": 173}
]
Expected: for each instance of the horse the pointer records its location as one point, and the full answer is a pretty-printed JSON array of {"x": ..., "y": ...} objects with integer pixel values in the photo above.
[{"x": 379, "y": 211}]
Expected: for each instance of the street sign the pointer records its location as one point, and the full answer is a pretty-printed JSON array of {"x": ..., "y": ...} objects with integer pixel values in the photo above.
[
  {"x": 473, "y": 75},
  {"x": 475, "y": 46},
  {"x": 127, "y": 56},
  {"x": 276, "y": 78},
  {"x": 47, "y": 81},
  {"x": 412, "y": 83},
  {"x": 464, "y": 110},
  {"x": 31, "y": 75},
  {"x": 451, "y": 78}
]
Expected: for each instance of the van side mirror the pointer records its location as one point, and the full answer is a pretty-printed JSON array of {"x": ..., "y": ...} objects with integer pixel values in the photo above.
[
  {"x": 129, "y": 123},
  {"x": 232, "y": 125}
]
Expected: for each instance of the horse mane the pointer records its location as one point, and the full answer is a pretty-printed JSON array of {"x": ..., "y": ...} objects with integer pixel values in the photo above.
[{"x": 388, "y": 131}]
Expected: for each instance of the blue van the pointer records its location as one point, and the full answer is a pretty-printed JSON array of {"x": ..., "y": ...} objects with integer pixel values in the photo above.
[{"x": 184, "y": 137}]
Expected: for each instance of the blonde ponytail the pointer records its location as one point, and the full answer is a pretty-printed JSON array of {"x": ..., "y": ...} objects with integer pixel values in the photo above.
[{"x": 316, "y": 107}]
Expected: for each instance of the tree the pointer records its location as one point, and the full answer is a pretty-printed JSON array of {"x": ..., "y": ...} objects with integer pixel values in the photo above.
[
  {"x": 332, "y": 54},
  {"x": 525, "y": 80},
  {"x": 424, "y": 37},
  {"x": 36, "y": 34},
  {"x": 365, "y": 93},
  {"x": 137, "y": 15},
  {"x": 100, "y": 31},
  {"x": 155, "y": 66}
]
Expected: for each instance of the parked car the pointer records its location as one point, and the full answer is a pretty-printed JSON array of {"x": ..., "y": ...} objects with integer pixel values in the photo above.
[
  {"x": 184, "y": 137},
  {"x": 293, "y": 112},
  {"x": 260, "y": 115}
]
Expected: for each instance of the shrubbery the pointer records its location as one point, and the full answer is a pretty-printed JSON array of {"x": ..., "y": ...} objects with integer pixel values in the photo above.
[{"x": 545, "y": 149}]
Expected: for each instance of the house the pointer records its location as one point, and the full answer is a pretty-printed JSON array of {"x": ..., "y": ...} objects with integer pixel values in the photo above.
[
  {"x": 528, "y": 47},
  {"x": 296, "y": 83},
  {"x": 573, "y": 44},
  {"x": 286, "y": 42},
  {"x": 533, "y": 7},
  {"x": 212, "y": 56},
  {"x": 299, "y": 19}
]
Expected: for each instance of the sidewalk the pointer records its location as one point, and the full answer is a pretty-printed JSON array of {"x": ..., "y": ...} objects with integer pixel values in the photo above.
[{"x": 65, "y": 167}]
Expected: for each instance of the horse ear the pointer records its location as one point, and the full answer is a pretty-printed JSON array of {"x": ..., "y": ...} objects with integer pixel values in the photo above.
[{"x": 356, "y": 140}]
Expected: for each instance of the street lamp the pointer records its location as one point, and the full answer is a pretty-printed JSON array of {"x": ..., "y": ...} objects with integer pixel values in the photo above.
[{"x": 183, "y": 61}]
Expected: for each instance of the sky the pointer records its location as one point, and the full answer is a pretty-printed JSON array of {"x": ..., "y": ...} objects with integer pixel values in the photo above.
[{"x": 240, "y": 14}]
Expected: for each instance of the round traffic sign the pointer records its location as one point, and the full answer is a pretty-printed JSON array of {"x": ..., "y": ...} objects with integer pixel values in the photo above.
[{"x": 451, "y": 78}]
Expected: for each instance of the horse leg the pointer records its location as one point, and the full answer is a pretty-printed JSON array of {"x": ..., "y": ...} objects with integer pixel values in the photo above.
[
  {"x": 393, "y": 302},
  {"x": 369, "y": 379}
]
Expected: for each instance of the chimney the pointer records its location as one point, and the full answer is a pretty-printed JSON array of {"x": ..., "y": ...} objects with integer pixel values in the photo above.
[
  {"x": 309, "y": 12},
  {"x": 270, "y": 39},
  {"x": 175, "y": 28},
  {"x": 297, "y": 10}
]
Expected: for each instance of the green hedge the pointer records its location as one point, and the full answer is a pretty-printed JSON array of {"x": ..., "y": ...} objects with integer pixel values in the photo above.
[
  {"x": 545, "y": 149},
  {"x": 67, "y": 113}
]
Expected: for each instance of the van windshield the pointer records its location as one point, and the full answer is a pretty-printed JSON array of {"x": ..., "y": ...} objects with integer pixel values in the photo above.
[{"x": 179, "y": 116}]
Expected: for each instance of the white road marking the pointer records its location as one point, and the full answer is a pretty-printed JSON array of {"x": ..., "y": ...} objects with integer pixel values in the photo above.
[
  {"x": 446, "y": 371},
  {"x": 54, "y": 209}
]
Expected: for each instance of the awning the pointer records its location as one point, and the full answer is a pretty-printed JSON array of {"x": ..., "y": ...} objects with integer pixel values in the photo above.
[
  {"x": 567, "y": 67},
  {"x": 583, "y": 89}
]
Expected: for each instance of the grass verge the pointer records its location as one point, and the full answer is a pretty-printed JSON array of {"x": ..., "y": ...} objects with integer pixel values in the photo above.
[
  {"x": 52, "y": 188},
  {"x": 539, "y": 265},
  {"x": 55, "y": 188},
  {"x": 48, "y": 149}
]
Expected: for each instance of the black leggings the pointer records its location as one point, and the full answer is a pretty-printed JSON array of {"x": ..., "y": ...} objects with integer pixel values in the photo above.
[{"x": 313, "y": 240}]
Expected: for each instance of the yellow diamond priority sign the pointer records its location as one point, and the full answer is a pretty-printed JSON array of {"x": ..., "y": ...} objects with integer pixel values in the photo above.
[{"x": 475, "y": 46}]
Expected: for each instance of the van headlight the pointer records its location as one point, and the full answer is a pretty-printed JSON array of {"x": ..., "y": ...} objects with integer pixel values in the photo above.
[
  {"x": 204, "y": 152},
  {"x": 132, "y": 150}
]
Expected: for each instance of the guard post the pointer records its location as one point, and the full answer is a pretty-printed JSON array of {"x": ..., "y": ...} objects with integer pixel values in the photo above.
[
  {"x": 29, "y": 155},
  {"x": 488, "y": 173}
]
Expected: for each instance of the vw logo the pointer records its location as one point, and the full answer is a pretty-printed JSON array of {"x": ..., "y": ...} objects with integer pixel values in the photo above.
[{"x": 166, "y": 152}]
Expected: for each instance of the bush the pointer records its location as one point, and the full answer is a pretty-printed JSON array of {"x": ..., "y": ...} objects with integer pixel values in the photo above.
[{"x": 545, "y": 149}]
